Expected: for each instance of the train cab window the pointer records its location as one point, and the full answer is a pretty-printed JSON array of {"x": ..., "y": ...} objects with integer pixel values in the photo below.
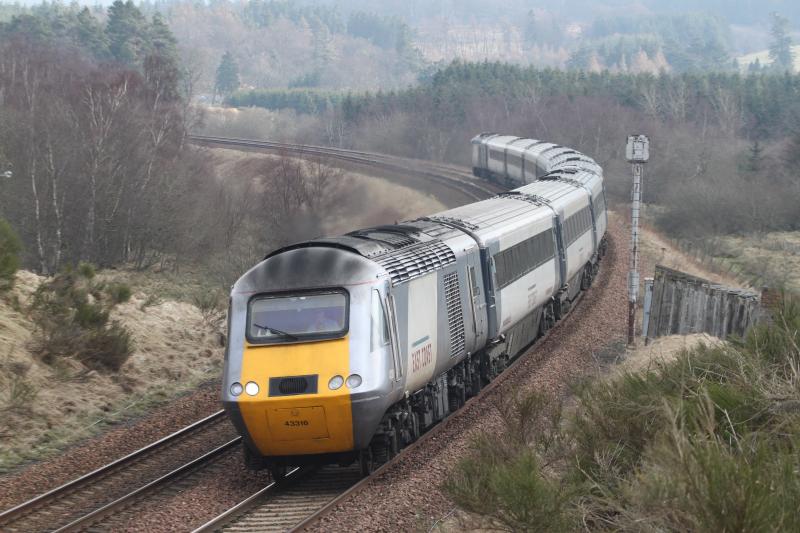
[
  {"x": 297, "y": 317},
  {"x": 380, "y": 326}
]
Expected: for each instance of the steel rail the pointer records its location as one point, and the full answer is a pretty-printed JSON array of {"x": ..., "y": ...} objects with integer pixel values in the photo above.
[
  {"x": 23, "y": 509},
  {"x": 122, "y": 502},
  {"x": 245, "y": 505},
  {"x": 447, "y": 175}
]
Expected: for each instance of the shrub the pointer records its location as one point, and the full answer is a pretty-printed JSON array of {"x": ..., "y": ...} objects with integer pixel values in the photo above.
[
  {"x": 706, "y": 442},
  {"x": 119, "y": 292},
  {"x": 20, "y": 394},
  {"x": 72, "y": 322},
  {"x": 211, "y": 307},
  {"x": 90, "y": 315},
  {"x": 107, "y": 349},
  {"x": 502, "y": 476},
  {"x": 86, "y": 270},
  {"x": 10, "y": 247}
]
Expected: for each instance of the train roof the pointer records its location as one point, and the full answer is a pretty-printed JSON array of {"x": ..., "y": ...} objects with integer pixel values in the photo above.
[{"x": 405, "y": 251}]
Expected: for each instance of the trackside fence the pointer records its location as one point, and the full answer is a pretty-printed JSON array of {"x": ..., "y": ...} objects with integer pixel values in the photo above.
[{"x": 677, "y": 303}]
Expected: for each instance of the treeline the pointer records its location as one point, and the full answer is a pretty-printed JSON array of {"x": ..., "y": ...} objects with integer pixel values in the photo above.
[
  {"x": 687, "y": 42},
  {"x": 127, "y": 37},
  {"x": 725, "y": 146},
  {"x": 299, "y": 100},
  {"x": 95, "y": 167},
  {"x": 281, "y": 44},
  {"x": 757, "y": 106},
  {"x": 93, "y": 120}
]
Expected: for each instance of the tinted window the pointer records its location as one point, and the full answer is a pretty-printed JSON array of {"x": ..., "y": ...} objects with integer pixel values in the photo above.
[
  {"x": 576, "y": 225},
  {"x": 288, "y": 318},
  {"x": 520, "y": 259}
]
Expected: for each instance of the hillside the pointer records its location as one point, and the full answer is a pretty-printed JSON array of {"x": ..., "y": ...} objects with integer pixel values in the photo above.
[
  {"x": 763, "y": 58},
  {"x": 45, "y": 407}
]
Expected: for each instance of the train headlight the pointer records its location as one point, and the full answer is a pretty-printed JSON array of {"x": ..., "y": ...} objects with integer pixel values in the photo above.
[
  {"x": 251, "y": 388},
  {"x": 335, "y": 382},
  {"x": 237, "y": 389},
  {"x": 353, "y": 381}
]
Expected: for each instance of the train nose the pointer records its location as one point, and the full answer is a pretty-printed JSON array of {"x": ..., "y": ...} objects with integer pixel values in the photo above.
[{"x": 297, "y": 424}]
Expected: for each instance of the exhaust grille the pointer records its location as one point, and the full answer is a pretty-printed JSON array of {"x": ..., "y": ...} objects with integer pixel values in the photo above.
[
  {"x": 415, "y": 261},
  {"x": 455, "y": 315}
]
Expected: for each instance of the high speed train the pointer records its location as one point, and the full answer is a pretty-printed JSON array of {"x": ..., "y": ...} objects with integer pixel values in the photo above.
[{"x": 349, "y": 348}]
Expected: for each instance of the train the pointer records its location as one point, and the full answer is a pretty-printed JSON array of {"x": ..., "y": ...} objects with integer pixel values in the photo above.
[{"x": 346, "y": 349}]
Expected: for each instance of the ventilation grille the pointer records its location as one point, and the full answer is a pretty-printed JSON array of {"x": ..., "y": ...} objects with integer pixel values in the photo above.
[
  {"x": 290, "y": 386},
  {"x": 415, "y": 261},
  {"x": 395, "y": 239},
  {"x": 455, "y": 316},
  {"x": 530, "y": 198},
  {"x": 457, "y": 222}
]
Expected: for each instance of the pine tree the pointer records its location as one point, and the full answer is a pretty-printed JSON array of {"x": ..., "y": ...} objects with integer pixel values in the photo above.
[
  {"x": 90, "y": 36},
  {"x": 323, "y": 44},
  {"x": 162, "y": 41},
  {"x": 126, "y": 30},
  {"x": 793, "y": 153},
  {"x": 531, "y": 28},
  {"x": 755, "y": 157},
  {"x": 780, "y": 50},
  {"x": 227, "y": 75}
]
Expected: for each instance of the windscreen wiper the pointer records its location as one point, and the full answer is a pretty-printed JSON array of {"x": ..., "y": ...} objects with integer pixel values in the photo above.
[{"x": 277, "y": 331}]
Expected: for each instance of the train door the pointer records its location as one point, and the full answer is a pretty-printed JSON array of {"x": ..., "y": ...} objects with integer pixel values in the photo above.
[
  {"x": 395, "y": 339},
  {"x": 477, "y": 302}
]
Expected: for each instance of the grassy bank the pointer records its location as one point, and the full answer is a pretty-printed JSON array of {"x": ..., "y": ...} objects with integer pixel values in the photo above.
[{"x": 707, "y": 441}]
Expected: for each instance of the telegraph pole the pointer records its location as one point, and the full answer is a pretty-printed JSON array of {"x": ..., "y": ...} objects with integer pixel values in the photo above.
[{"x": 637, "y": 153}]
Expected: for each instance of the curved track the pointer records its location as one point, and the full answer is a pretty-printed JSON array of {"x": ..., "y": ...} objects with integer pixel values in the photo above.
[
  {"x": 107, "y": 498},
  {"x": 456, "y": 179}
]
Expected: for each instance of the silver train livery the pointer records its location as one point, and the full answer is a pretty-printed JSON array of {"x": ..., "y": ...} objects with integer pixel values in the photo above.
[{"x": 348, "y": 348}]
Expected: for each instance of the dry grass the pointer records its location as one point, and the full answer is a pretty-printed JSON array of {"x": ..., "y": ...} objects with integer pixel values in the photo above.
[
  {"x": 46, "y": 407},
  {"x": 705, "y": 440},
  {"x": 772, "y": 259},
  {"x": 370, "y": 201}
]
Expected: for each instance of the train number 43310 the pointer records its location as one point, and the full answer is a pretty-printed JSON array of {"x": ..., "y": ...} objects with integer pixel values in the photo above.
[{"x": 295, "y": 423}]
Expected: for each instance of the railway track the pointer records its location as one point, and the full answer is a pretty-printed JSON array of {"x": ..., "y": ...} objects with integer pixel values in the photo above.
[
  {"x": 102, "y": 492},
  {"x": 311, "y": 493},
  {"x": 285, "y": 506},
  {"x": 104, "y": 499},
  {"x": 449, "y": 176},
  {"x": 109, "y": 498}
]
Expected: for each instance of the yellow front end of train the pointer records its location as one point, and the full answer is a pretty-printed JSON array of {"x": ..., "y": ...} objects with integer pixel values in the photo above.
[{"x": 282, "y": 423}]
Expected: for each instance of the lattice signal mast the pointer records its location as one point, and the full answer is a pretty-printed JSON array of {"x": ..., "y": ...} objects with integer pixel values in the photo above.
[{"x": 637, "y": 153}]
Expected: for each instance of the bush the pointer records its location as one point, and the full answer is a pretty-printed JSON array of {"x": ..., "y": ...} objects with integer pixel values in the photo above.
[
  {"x": 107, "y": 349},
  {"x": 502, "y": 477},
  {"x": 10, "y": 247},
  {"x": 73, "y": 322},
  {"x": 210, "y": 304},
  {"x": 706, "y": 442},
  {"x": 86, "y": 270},
  {"x": 20, "y": 394},
  {"x": 119, "y": 292}
]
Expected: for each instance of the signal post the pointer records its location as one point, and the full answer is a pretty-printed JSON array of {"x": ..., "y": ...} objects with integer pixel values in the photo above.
[{"x": 637, "y": 153}]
